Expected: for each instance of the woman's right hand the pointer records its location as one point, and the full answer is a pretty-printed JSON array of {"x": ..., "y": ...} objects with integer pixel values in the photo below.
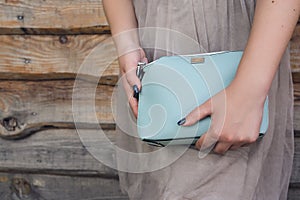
[{"x": 128, "y": 65}]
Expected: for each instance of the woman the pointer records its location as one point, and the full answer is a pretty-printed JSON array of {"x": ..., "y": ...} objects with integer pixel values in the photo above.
[{"x": 240, "y": 166}]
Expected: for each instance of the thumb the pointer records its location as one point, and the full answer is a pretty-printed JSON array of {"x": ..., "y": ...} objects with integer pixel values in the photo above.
[{"x": 197, "y": 114}]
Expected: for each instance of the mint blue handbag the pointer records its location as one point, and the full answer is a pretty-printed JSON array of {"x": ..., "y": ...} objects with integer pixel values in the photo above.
[{"x": 173, "y": 86}]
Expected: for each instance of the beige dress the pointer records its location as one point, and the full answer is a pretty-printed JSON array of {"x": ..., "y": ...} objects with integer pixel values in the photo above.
[{"x": 260, "y": 171}]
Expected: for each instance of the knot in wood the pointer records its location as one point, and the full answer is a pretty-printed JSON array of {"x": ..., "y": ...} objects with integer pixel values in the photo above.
[
  {"x": 10, "y": 123},
  {"x": 63, "y": 39},
  {"x": 27, "y": 60},
  {"x": 20, "y": 17},
  {"x": 21, "y": 187}
]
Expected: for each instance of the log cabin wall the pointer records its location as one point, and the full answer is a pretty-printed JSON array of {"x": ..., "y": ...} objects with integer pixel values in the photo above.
[{"x": 42, "y": 45}]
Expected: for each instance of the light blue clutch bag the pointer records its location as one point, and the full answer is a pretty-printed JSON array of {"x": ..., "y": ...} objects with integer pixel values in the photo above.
[{"x": 173, "y": 86}]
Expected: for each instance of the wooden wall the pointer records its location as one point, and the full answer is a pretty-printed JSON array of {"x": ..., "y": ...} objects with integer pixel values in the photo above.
[{"x": 42, "y": 45}]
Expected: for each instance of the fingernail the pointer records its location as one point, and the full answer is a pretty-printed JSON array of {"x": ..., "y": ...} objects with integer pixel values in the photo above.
[
  {"x": 181, "y": 122},
  {"x": 136, "y": 91}
]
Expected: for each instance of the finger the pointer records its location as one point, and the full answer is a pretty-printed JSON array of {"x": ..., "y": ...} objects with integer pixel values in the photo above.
[
  {"x": 235, "y": 147},
  {"x": 205, "y": 144},
  {"x": 197, "y": 114},
  {"x": 206, "y": 141},
  {"x": 143, "y": 56},
  {"x": 132, "y": 78},
  {"x": 129, "y": 92},
  {"x": 200, "y": 141},
  {"x": 222, "y": 147},
  {"x": 134, "y": 105},
  {"x": 144, "y": 60}
]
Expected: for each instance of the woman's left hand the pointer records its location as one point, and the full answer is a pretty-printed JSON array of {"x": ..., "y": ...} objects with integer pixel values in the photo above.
[{"x": 236, "y": 115}]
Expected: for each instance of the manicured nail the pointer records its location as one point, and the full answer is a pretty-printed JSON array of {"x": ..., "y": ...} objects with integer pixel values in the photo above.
[
  {"x": 181, "y": 122},
  {"x": 136, "y": 92}
]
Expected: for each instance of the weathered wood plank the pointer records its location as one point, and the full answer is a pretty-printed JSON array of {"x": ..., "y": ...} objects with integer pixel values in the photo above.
[
  {"x": 295, "y": 50},
  {"x": 297, "y": 120},
  {"x": 296, "y": 80},
  {"x": 295, "y": 177},
  {"x": 56, "y": 152},
  {"x": 48, "y": 104},
  {"x": 61, "y": 152},
  {"x": 39, "y": 105},
  {"x": 30, "y": 106},
  {"x": 294, "y": 193},
  {"x": 52, "y": 57},
  {"x": 45, "y": 187},
  {"x": 297, "y": 94},
  {"x": 51, "y": 14},
  {"x": 55, "y": 31}
]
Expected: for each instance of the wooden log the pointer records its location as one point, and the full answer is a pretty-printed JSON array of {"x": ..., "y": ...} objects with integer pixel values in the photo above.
[
  {"x": 46, "y": 187},
  {"x": 57, "y": 152},
  {"x": 56, "y": 57},
  {"x": 51, "y": 14},
  {"x": 30, "y": 106}
]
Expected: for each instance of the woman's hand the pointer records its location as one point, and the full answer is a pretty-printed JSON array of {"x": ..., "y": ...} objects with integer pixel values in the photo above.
[
  {"x": 236, "y": 115},
  {"x": 128, "y": 64},
  {"x": 123, "y": 24},
  {"x": 236, "y": 112}
]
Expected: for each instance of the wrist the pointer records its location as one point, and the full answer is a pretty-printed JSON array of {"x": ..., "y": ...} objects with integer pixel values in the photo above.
[
  {"x": 250, "y": 89},
  {"x": 126, "y": 41}
]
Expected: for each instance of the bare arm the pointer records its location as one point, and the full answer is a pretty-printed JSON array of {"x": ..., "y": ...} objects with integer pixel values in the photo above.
[
  {"x": 237, "y": 111},
  {"x": 123, "y": 24},
  {"x": 120, "y": 15},
  {"x": 273, "y": 25}
]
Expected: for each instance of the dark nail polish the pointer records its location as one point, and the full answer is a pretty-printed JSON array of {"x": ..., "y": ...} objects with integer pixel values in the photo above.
[
  {"x": 181, "y": 122},
  {"x": 136, "y": 92}
]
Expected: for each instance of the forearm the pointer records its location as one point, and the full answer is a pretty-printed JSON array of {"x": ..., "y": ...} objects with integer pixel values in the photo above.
[
  {"x": 273, "y": 25},
  {"x": 121, "y": 18},
  {"x": 120, "y": 15}
]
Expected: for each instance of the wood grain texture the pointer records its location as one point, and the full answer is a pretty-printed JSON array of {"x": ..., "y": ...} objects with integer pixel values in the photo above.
[
  {"x": 30, "y": 106},
  {"x": 56, "y": 31},
  {"x": 27, "y": 107},
  {"x": 60, "y": 152},
  {"x": 47, "y": 187},
  {"x": 57, "y": 152},
  {"x": 51, "y": 13},
  {"x": 294, "y": 193},
  {"x": 295, "y": 177},
  {"x": 297, "y": 120},
  {"x": 52, "y": 57},
  {"x": 295, "y": 50},
  {"x": 296, "y": 80}
]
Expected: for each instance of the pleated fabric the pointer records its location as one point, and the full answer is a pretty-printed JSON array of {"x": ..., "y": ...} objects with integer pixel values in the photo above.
[{"x": 260, "y": 171}]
